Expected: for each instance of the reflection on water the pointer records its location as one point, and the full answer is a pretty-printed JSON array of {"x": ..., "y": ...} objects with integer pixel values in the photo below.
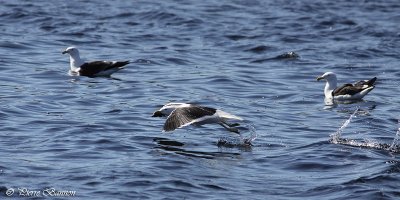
[
  {"x": 178, "y": 148},
  {"x": 329, "y": 103}
]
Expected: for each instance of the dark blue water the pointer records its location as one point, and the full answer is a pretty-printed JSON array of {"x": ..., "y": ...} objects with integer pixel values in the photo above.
[{"x": 95, "y": 136}]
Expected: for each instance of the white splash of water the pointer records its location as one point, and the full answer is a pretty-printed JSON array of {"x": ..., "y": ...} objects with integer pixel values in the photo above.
[
  {"x": 244, "y": 140},
  {"x": 396, "y": 139},
  {"x": 253, "y": 135},
  {"x": 366, "y": 143},
  {"x": 335, "y": 138}
]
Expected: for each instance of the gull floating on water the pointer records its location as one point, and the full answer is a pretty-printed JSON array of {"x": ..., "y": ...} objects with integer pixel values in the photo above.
[
  {"x": 184, "y": 114},
  {"x": 347, "y": 91},
  {"x": 94, "y": 68}
]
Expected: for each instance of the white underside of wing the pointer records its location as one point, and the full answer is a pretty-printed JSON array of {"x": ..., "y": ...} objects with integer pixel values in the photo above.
[
  {"x": 227, "y": 116},
  {"x": 201, "y": 121},
  {"x": 216, "y": 118}
]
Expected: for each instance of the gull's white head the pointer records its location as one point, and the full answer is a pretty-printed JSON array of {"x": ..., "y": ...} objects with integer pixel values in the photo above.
[
  {"x": 74, "y": 58},
  {"x": 328, "y": 76},
  {"x": 73, "y": 51},
  {"x": 331, "y": 83}
]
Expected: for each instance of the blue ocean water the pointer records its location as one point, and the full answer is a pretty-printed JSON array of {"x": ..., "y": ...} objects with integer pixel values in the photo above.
[{"x": 96, "y": 136}]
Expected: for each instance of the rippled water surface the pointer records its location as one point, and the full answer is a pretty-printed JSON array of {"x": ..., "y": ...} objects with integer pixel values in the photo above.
[{"x": 96, "y": 136}]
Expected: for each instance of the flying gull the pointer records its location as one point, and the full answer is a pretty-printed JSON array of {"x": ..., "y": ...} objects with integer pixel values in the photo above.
[
  {"x": 94, "y": 68},
  {"x": 184, "y": 114},
  {"x": 347, "y": 91}
]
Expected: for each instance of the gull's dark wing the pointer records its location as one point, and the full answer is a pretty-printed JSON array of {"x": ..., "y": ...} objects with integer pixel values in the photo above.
[
  {"x": 347, "y": 89},
  {"x": 366, "y": 83},
  {"x": 186, "y": 115},
  {"x": 92, "y": 68}
]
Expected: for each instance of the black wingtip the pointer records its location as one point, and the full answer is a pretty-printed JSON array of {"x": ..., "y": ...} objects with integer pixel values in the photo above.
[
  {"x": 372, "y": 81},
  {"x": 120, "y": 64},
  {"x": 158, "y": 114},
  {"x": 168, "y": 128}
]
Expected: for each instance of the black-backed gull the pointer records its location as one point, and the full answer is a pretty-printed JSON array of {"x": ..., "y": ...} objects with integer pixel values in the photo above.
[
  {"x": 91, "y": 69},
  {"x": 184, "y": 114},
  {"x": 347, "y": 91}
]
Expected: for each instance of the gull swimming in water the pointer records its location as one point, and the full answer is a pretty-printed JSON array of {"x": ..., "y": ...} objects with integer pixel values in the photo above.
[
  {"x": 347, "y": 91},
  {"x": 183, "y": 114},
  {"x": 94, "y": 68}
]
